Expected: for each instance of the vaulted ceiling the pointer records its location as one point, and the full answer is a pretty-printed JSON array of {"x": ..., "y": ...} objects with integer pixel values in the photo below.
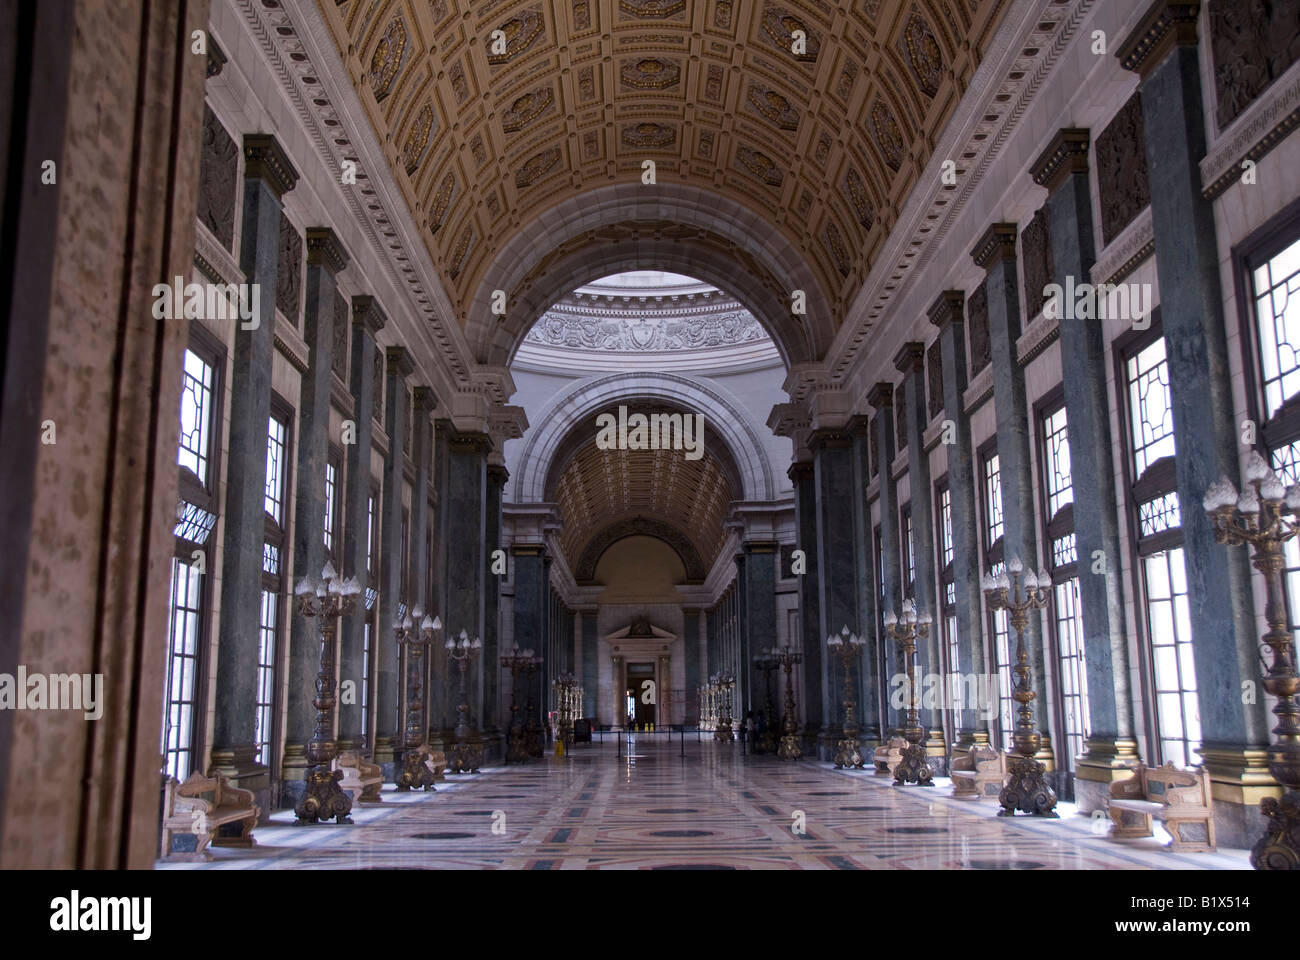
[
  {"x": 604, "y": 495},
  {"x": 824, "y": 143}
]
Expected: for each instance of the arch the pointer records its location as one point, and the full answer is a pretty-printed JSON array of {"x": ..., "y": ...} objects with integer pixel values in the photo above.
[
  {"x": 673, "y": 226},
  {"x": 585, "y": 569},
  {"x": 723, "y": 418}
]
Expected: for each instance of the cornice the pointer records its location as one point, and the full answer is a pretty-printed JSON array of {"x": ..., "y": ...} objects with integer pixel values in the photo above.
[{"x": 1066, "y": 154}]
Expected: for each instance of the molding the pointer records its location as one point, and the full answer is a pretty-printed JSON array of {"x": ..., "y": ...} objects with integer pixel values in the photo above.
[
  {"x": 325, "y": 249},
  {"x": 1041, "y": 333},
  {"x": 910, "y": 357},
  {"x": 1135, "y": 243},
  {"x": 291, "y": 344},
  {"x": 1259, "y": 128},
  {"x": 997, "y": 244},
  {"x": 949, "y": 308},
  {"x": 366, "y": 312},
  {"x": 881, "y": 396},
  {"x": 978, "y": 390}
]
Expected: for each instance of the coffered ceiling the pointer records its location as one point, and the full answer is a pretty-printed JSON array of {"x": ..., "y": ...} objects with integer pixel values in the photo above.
[{"x": 824, "y": 144}]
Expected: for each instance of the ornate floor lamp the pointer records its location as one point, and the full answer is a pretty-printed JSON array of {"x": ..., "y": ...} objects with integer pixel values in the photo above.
[
  {"x": 1018, "y": 593},
  {"x": 466, "y": 757},
  {"x": 325, "y": 601},
  {"x": 415, "y": 769},
  {"x": 914, "y": 767},
  {"x": 789, "y": 749},
  {"x": 847, "y": 647},
  {"x": 1259, "y": 517}
]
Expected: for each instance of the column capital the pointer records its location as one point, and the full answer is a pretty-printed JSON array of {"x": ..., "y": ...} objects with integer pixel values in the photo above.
[
  {"x": 528, "y": 549},
  {"x": 831, "y": 438},
  {"x": 1166, "y": 25},
  {"x": 399, "y": 361},
  {"x": 1066, "y": 154},
  {"x": 497, "y": 474},
  {"x": 859, "y": 425},
  {"x": 324, "y": 249},
  {"x": 366, "y": 312},
  {"x": 997, "y": 244},
  {"x": 881, "y": 395},
  {"x": 800, "y": 470},
  {"x": 463, "y": 440},
  {"x": 265, "y": 159},
  {"x": 425, "y": 400},
  {"x": 949, "y": 308},
  {"x": 910, "y": 357}
]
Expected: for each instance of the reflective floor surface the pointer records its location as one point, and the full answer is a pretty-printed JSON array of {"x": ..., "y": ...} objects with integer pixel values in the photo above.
[{"x": 714, "y": 808}]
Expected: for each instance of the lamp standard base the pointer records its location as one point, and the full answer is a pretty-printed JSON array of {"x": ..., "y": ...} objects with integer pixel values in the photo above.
[
  {"x": 1026, "y": 790},
  {"x": 847, "y": 754},
  {"x": 1279, "y": 848},
  {"x": 465, "y": 758},
  {"x": 789, "y": 749},
  {"x": 416, "y": 773},
  {"x": 724, "y": 733},
  {"x": 914, "y": 767},
  {"x": 324, "y": 797}
]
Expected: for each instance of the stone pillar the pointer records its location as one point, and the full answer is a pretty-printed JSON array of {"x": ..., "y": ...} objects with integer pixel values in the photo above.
[
  {"x": 387, "y": 657},
  {"x": 910, "y": 361},
  {"x": 996, "y": 254},
  {"x": 1111, "y": 746},
  {"x": 758, "y": 606},
  {"x": 325, "y": 258},
  {"x": 367, "y": 320},
  {"x": 492, "y": 725},
  {"x": 530, "y": 615},
  {"x": 267, "y": 176},
  {"x": 693, "y": 675},
  {"x": 881, "y": 399},
  {"x": 837, "y": 577},
  {"x": 804, "y": 477},
  {"x": 618, "y": 683},
  {"x": 590, "y": 661},
  {"x": 948, "y": 314},
  {"x": 462, "y": 532},
  {"x": 663, "y": 708},
  {"x": 93, "y": 511},
  {"x": 867, "y": 672},
  {"x": 1225, "y": 634}
]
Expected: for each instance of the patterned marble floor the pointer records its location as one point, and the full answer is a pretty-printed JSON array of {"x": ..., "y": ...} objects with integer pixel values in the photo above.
[{"x": 713, "y": 809}]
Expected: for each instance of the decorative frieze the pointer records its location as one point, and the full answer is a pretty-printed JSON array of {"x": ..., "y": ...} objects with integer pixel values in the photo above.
[
  {"x": 1036, "y": 256},
  {"x": 1252, "y": 45},
  {"x": 218, "y": 171},
  {"x": 1122, "y": 169}
]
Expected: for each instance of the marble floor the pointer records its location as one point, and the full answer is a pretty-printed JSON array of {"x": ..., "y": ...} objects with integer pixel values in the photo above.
[{"x": 714, "y": 808}]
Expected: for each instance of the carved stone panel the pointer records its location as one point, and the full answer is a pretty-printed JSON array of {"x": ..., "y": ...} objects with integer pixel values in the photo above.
[
  {"x": 1036, "y": 256},
  {"x": 838, "y": 248},
  {"x": 977, "y": 327},
  {"x": 377, "y": 386},
  {"x": 856, "y": 191},
  {"x": 386, "y": 61},
  {"x": 1122, "y": 169},
  {"x": 1252, "y": 43},
  {"x": 875, "y": 457},
  {"x": 887, "y": 133},
  {"x": 288, "y": 279},
  {"x": 218, "y": 171},
  {"x": 934, "y": 378}
]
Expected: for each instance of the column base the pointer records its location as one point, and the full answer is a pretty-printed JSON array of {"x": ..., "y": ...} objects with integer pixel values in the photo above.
[
  {"x": 240, "y": 767},
  {"x": 1027, "y": 790},
  {"x": 1103, "y": 762},
  {"x": 1239, "y": 780},
  {"x": 936, "y": 750},
  {"x": 293, "y": 773},
  {"x": 385, "y": 755}
]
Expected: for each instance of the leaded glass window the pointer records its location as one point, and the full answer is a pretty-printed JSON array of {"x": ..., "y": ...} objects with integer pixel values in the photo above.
[
  {"x": 197, "y": 396},
  {"x": 180, "y": 694},
  {"x": 1276, "y": 288},
  {"x": 331, "y": 500},
  {"x": 268, "y": 632},
  {"x": 277, "y": 453}
]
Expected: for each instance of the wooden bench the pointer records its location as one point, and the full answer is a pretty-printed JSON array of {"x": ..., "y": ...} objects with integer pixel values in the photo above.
[
  {"x": 888, "y": 757},
  {"x": 1179, "y": 798},
  {"x": 362, "y": 780},
  {"x": 978, "y": 774},
  {"x": 202, "y": 811}
]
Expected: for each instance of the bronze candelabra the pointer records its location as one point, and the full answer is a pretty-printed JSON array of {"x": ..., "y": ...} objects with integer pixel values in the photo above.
[
  {"x": 517, "y": 660},
  {"x": 767, "y": 662},
  {"x": 466, "y": 757},
  {"x": 1019, "y": 592},
  {"x": 415, "y": 768},
  {"x": 847, "y": 646},
  {"x": 724, "y": 682},
  {"x": 789, "y": 749},
  {"x": 564, "y": 685},
  {"x": 1258, "y": 517},
  {"x": 914, "y": 766},
  {"x": 325, "y": 601}
]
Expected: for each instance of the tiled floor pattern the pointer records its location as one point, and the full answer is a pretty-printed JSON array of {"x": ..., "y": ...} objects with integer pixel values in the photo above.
[{"x": 713, "y": 809}]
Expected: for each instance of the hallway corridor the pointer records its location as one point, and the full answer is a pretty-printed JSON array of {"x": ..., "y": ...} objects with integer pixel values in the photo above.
[{"x": 714, "y": 808}]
